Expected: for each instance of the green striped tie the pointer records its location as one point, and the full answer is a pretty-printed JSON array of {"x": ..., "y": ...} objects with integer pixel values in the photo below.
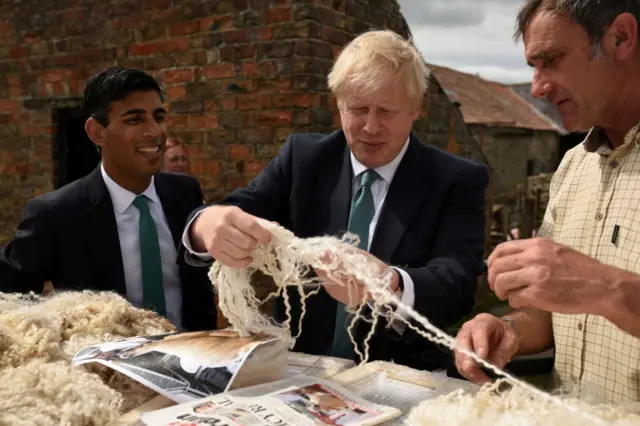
[
  {"x": 362, "y": 211},
  {"x": 152, "y": 284}
]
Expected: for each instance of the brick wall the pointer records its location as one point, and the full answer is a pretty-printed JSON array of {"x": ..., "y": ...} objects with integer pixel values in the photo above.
[{"x": 240, "y": 76}]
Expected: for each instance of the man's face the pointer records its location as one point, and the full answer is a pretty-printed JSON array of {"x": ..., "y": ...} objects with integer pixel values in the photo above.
[
  {"x": 377, "y": 126},
  {"x": 135, "y": 137},
  {"x": 176, "y": 160},
  {"x": 580, "y": 85}
]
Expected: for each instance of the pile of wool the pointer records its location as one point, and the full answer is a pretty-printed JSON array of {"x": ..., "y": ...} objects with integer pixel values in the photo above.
[
  {"x": 516, "y": 406},
  {"x": 288, "y": 260},
  {"x": 38, "y": 338}
]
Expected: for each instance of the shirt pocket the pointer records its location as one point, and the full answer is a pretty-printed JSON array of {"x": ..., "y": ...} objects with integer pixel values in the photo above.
[{"x": 624, "y": 239}]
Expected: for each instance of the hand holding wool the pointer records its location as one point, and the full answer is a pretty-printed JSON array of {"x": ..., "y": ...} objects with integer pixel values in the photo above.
[{"x": 343, "y": 286}]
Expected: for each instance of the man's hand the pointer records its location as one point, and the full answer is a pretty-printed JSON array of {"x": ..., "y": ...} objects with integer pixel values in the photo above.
[
  {"x": 491, "y": 339},
  {"x": 228, "y": 234},
  {"x": 543, "y": 274},
  {"x": 350, "y": 291}
]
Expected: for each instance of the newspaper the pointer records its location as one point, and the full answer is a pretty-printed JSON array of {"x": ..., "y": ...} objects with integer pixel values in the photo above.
[
  {"x": 301, "y": 401},
  {"x": 188, "y": 366}
]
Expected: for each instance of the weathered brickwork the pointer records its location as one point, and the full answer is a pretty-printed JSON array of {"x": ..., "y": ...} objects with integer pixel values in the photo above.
[{"x": 240, "y": 76}]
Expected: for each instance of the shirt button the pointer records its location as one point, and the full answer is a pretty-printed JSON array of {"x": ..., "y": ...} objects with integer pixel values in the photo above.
[
  {"x": 613, "y": 164},
  {"x": 579, "y": 326},
  {"x": 599, "y": 216}
]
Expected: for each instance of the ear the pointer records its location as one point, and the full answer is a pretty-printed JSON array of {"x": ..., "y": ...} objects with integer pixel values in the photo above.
[
  {"x": 622, "y": 36},
  {"x": 95, "y": 131}
]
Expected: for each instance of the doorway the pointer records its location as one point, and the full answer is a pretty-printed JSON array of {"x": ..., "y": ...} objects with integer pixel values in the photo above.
[{"x": 74, "y": 155}]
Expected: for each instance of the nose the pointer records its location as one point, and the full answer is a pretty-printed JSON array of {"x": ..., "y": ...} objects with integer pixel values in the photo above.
[
  {"x": 372, "y": 123},
  {"x": 541, "y": 87},
  {"x": 153, "y": 129}
]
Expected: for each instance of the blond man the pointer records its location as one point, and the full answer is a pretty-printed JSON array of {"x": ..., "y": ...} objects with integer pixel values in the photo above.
[
  {"x": 417, "y": 210},
  {"x": 578, "y": 288}
]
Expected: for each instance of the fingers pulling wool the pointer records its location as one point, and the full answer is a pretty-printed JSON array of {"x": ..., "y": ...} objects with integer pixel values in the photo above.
[{"x": 288, "y": 260}]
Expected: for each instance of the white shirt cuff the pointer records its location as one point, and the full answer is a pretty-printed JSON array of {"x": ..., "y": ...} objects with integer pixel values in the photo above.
[
  {"x": 407, "y": 298},
  {"x": 192, "y": 257}
]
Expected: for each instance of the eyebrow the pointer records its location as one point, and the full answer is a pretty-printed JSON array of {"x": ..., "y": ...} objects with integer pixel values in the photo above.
[
  {"x": 142, "y": 111},
  {"x": 541, "y": 56}
]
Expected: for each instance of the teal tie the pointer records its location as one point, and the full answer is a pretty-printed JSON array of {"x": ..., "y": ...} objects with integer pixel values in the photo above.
[
  {"x": 362, "y": 211},
  {"x": 152, "y": 284}
]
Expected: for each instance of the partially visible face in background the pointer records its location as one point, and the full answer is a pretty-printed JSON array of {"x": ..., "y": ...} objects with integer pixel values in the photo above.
[{"x": 176, "y": 159}]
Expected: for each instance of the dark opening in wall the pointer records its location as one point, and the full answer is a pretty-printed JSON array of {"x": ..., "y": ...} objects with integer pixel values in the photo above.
[{"x": 74, "y": 155}]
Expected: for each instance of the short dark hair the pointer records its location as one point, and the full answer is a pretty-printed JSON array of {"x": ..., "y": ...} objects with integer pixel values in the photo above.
[
  {"x": 595, "y": 16},
  {"x": 115, "y": 84}
]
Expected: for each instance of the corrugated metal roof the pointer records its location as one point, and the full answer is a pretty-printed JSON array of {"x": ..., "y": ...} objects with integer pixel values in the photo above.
[{"x": 490, "y": 103}]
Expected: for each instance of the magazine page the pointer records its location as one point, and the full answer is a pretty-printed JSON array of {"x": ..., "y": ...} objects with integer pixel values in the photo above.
[
  {"x": 398, "y": 386},
  {"x": 311, "y": 401},
  {"x": 192, "y": 365}
]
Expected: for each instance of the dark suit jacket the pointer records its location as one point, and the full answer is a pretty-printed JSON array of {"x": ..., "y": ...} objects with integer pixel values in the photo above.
[
  {"x": 70, "y": 237},
  {"x": 432, "y": 225}
]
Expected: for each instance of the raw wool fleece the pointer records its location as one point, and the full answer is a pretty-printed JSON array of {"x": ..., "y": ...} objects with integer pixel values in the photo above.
[
  {"x": 289, "y": 259},
  {"x": 38, "y": 338}
]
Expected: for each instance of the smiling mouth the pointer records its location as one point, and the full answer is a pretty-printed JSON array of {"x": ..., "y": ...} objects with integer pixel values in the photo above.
[{"x": 149, "y": 150}]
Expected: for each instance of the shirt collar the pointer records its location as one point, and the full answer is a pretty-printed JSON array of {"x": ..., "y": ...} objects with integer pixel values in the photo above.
[
  {"x": 387, "y": 171},
  {"x": 598, "y": 142},
  {"x": 122, "y": 198}
]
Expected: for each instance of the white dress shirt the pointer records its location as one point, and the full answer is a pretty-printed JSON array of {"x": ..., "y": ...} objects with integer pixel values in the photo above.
[
  {"x": 127, "y": 216},
  {"x": 379, "y": 190}
]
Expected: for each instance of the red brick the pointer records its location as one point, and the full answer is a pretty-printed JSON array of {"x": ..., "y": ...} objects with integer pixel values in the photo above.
[
  {"x": 239, "y": 152},
  {"x": 183, "y": 28},
  {"x": 212, "y": 167},
  {"x": 282, "y": 83},
  {"x": 134, "y": 22},
  {"x": 252, "y": 168},
  {"x": 268, "y": 69},
  {"x": 176, "y": 92},
  {"x": 65, "y": 60},
  {"x": 233, "y": 182},
  {"x": 176, "y": 122},
  {"x": 164, "y": 46},
  {"x": 18, "y": 52},
  {"x": 6, "y": 29},
  {"x": 32, "y": 130},
  {"x": 240, "y": 85},
  {"x": 236, "y": 36},
  {"x": 264, "y": 34},
  {"x": 246, "y": 51},
  {"x": 250, "y": 69},
  {"x": 9, "y": 106},
  {"x": 157, "y": 4},
  {"x": 254, "y": 101},
  {"x": 275, "y": 15},
  {"x": 180, "y": 75},
  {"x": 223, "y": 70},
  {"x": 212, "y": 105},
  {"x": 274, "y": 118},
  {"x": 202, "y": 122}
]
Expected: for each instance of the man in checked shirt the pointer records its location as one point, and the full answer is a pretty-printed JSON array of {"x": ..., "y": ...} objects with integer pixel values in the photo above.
[{"x": 578, "y": 287}]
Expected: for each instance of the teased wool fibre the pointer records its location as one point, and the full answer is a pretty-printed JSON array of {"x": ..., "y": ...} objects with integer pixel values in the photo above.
[
  {"x": 38, "y": 338},
  {"x": 289, "y": 260}
]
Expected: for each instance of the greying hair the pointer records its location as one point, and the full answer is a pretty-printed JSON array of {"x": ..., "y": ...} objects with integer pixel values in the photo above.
[{"x": 595, "y": 16}]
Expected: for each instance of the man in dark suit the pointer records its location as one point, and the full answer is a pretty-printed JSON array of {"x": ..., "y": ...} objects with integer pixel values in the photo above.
[
  {"x": 417, "y": 210},
  {"x": 118, "y": 228}
]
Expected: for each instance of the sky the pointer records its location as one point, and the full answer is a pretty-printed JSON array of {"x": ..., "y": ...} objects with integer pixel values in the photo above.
[{"x": 473, "y": 36}]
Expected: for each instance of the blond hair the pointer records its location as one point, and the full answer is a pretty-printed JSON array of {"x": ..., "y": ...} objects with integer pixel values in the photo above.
[{"x": 374, "y": 56}]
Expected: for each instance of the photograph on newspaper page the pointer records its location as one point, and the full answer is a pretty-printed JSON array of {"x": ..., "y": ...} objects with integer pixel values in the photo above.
[
  {"x": 313, "y": 402},
  {"x": 192, "y": 365}
]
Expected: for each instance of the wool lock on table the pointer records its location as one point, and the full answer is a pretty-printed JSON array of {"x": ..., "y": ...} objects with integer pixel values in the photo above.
[{"x": 288, "y": 260}]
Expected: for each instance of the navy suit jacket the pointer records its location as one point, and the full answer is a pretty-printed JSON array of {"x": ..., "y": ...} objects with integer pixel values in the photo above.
[
  {"x": 431, "y": 225},
  {"x": 70, "y": 237}
]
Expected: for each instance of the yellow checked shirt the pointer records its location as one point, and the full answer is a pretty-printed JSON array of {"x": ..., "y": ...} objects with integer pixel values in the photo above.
[{"x": 594, "y": 191}]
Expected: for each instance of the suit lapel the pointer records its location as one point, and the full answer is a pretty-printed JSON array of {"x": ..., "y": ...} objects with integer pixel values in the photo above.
[
  {"x": 170, "y": 208},
  {"x": 340, "y": 199},
  {"x": 406, "y": 194},
  {"x": 102, "y": 221}
]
